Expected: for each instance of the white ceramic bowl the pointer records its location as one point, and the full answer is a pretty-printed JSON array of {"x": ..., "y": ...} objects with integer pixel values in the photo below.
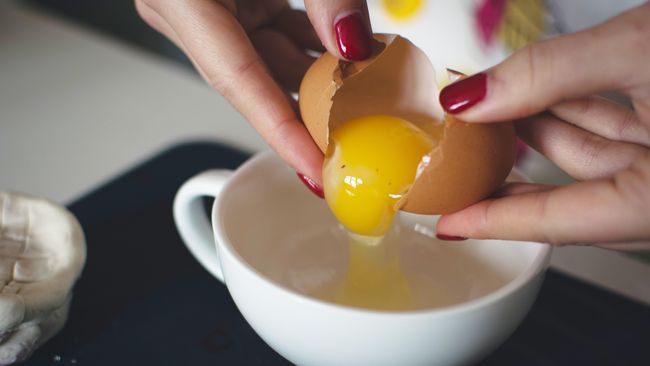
[{"x": 259, "y": 210}]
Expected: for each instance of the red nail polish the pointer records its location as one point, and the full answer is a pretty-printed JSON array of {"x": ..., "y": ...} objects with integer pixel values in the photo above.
[
  {"x": 450, "y": 237},
  {"x": 464, "y": 93},
  {"x": 353, "y": 37},
  {"x": 522, "y": 151},
  {"x": 315, "y": 188}
]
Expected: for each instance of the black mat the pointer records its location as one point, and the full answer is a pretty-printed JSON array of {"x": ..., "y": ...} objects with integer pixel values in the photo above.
[{"x": 143, "y": 300}]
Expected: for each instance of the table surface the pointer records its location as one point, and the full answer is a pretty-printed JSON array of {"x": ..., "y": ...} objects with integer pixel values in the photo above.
[
  {"x": 125, "y": 315},
  {"x": 78, "y": 108}
]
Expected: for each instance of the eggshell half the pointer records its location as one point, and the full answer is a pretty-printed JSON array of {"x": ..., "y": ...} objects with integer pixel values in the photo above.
[
  {"x": 470, "y": 160},
  {"x": 333, "y": 92}
]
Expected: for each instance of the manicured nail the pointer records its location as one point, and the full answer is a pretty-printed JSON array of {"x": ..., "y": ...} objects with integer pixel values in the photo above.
[
  {"x": 522, "y": 151},
  {"x": 353, "y": 37},
  {"x": 450, "y": 237},
  {"x": 464, "y": 93},
  {"x": 315, "y": 188}
]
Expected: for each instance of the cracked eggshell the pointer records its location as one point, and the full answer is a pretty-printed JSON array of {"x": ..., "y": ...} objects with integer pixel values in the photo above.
[{"x": 469, "y": 162}]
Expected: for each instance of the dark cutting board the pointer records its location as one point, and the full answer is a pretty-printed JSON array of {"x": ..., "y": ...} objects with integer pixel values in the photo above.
[{"x": 143, "y": 300}]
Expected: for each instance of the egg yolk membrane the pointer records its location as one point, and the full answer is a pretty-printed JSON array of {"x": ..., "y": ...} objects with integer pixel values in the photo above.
[{"x": 370, "y": 163}]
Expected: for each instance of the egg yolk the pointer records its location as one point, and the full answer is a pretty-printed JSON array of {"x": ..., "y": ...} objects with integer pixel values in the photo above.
[
  {"x": 370, "y": 163},
  {"x": 402, "y": 9}
]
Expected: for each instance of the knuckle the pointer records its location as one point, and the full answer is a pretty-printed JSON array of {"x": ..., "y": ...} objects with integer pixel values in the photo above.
[
  {"x": 625, "y": 123},
  {"x": 540, "y": 211},
  {"x": 486, "y": 221},
  {"x": 535, "y": 67},
  {"x": 279, "y": 136},
  {"x": 537, "y": 57},
  {"x": 585, "y": 106},
  {"x": 591, "y": 147},
  {"x": 227, "y": 82},
  {"x": 529, "y": 55}
]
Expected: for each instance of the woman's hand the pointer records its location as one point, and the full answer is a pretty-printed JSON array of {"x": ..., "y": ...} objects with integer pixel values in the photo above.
[
  {"x": 253, "y": 53},
  {"x": 548, "y": 89}
]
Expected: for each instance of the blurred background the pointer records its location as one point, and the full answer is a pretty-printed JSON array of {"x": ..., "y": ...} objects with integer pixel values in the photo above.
[
  {"x": 88, "y": 90},
  {"x": 72, "y": 68}
]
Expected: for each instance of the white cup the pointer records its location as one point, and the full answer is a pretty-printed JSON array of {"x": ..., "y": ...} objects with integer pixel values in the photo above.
[{"x": 265, "y": 227}]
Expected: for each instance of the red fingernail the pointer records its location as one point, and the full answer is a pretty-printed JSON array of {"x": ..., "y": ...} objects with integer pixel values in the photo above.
[
  {"x": 450, "y": 237},
  {"x": 522, "y": 151},
  {"x": 464, "y": 93},
  {"x": 353, "y": 37},
  {"x": 315, "y": 188}
]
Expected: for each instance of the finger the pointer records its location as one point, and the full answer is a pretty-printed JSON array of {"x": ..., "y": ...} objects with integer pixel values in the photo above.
[
  {"x": 633, "y": 246},
  {"x": 155, "y": 21},
  {"x": 295, "y": 25},
  {"x": 603, "y": 117},
  {"x": 20, "y": 345},
  {"x": 221, "y": 50},
  {"x": 514, "y": 188},
  {"x": 580, "y": 153},
  {"x": 343, "y": 27},
  {"x": 12, "y": 312},
  {"x": 608, "y": 210},
  {"x": 287, "y": 63},
  {"x": 611, "y": 56}
]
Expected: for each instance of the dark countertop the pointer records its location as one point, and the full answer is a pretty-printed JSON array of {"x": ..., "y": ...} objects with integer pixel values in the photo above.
[{"x": 143, "y": 299}]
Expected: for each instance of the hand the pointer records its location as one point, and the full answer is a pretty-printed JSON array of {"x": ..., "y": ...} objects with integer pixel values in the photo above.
[
  {"x": 253, "y": 53},
  {"x": 548, "y": 89},
  {"x": 42, "y": 252}
]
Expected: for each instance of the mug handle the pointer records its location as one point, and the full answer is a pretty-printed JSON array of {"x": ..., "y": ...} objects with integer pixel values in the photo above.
[{"x": 191, "y": 220}]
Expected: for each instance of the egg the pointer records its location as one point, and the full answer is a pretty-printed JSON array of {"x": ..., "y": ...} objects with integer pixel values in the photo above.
[
  {"x": 464, "y": 162},
  {"x": 370, "y": 163}
]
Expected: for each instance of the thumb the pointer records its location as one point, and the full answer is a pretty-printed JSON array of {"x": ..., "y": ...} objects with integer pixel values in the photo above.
[
  {"x": 610, "y": 56},
  {"x": 343, "y": 26}
]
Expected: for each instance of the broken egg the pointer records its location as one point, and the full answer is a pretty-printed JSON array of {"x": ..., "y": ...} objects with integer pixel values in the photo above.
[{"x": 465, "y": 163}]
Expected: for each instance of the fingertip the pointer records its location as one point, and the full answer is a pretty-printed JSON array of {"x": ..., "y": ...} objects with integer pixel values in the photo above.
[
  {"x": 451, "y": 225},
  {"x": 463, "y": 94},
  {"x": 343, "y": 27},
  {"x": 353, "y": 38},
  {"x": 314, "y": 187},
  {"x": 471, "y": 222}
]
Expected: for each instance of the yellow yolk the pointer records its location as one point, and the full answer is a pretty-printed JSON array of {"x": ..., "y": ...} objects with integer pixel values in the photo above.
[
  {"x": 369, "y": 164},
  {"x": 402, "y": 9}
]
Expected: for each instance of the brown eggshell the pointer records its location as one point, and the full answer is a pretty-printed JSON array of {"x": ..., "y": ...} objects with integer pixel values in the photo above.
[
  {"x": 333, "y": 92},
  {"x": 469, "y": 162},
  {"x": 315, "y": 97}
]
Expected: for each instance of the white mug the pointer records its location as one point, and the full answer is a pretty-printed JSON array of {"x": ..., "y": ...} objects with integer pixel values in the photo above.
[{"x": 265, "y": 244}]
